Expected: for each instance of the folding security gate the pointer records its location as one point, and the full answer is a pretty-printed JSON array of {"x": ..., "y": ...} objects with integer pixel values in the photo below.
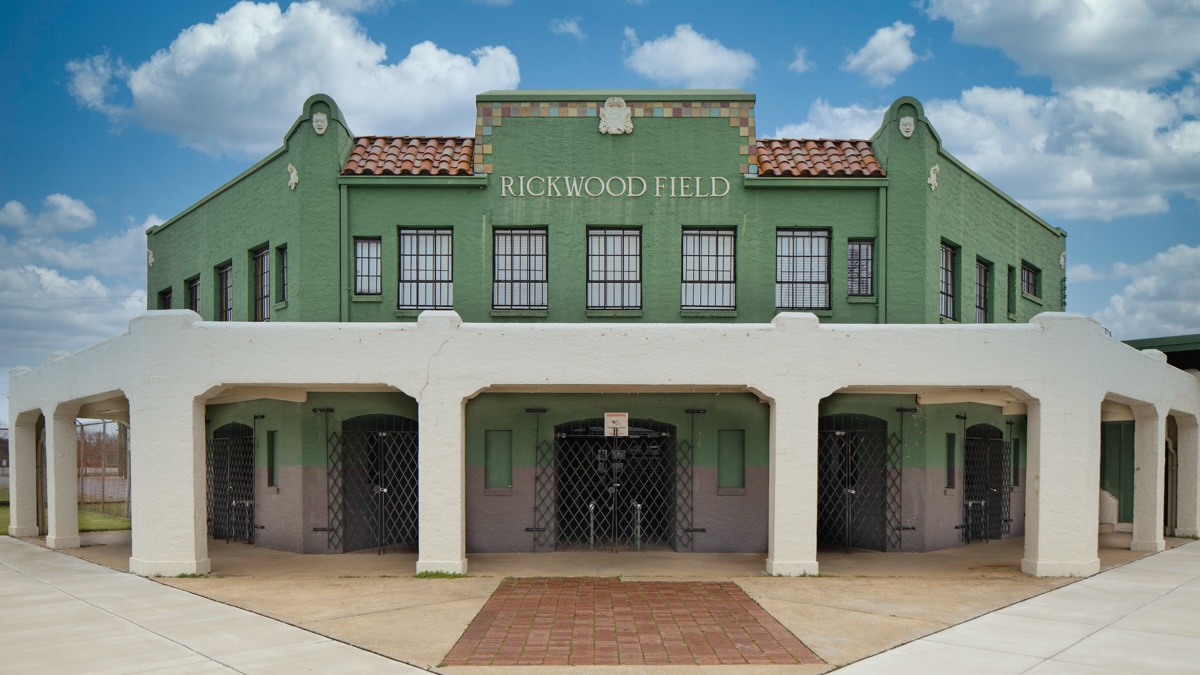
[
  {"x": 858, "y": 492},
  {"x": 230, "y": 460},
  {"x": 373, "y": 498},
  {"x": 987, "y": 491},
  {"x": 593, "y": 491}
]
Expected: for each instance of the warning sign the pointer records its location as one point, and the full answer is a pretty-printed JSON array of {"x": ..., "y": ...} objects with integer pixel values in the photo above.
[{"x": 616, "y": 424}]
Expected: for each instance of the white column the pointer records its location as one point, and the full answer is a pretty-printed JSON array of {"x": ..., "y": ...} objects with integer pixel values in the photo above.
[
  {"x": 22, "y": 476},
  {"x": 1061, "y": 497},
  {"x": 62, "y": 479},
  {"x": 441, "y": 467},
  {"x": 792, "y": 523},
  {"x": 1188, "y": 451},
  {"x": 167, "y": 485},
  {"x": 1149, "y": 474}
]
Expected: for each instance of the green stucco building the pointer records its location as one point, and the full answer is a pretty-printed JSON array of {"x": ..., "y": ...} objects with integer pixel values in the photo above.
[{"x": 601, "y": 208}]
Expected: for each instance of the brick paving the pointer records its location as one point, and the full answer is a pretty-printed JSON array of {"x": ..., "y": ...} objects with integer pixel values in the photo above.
[{"x": 594, "y": 621}]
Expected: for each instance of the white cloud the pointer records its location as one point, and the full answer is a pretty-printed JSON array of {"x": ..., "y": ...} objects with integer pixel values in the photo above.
[
  {"x": 801, "y": 64},
  {"x": 689, "y": 59},
  {"x": 1087, "y": 153},
  {"x": 357, "y": 6},
  {"x": 232, "y": 86},
  {"x": 827, "y": 121},
  {"x": 568, "y": 27},
  {"x": 887, "y": 54},
  {"x": 60, "y": 213},
  {"x": 1162, "y": 297},
  {"x": 1134, "y": 43},
  {"x": 1084, "y": 273}
]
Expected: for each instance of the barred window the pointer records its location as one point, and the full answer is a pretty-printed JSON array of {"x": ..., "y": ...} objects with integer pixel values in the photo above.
[
  {"x": 281, "y": 262},
  {"x": 164, "y": 299},
  {"x": 860, "y": 268},
  {"x": 708, "y": 270},
  {"x": 802, "y": 269},
  {"x": 225, "y": 293},
  {"x": 262, "y": 284},
  {"x": 1029, "y": 280},
  {"x": 983, "y": 290},
  {"x": 519, "y": 269},
  {"x": 947, "y": 281},
  {"x": 193, "y": 294},
  {"x": 368, "y": 271},
  {"x": 614, "y": 274},
  {"x": 426, "y": 269}
]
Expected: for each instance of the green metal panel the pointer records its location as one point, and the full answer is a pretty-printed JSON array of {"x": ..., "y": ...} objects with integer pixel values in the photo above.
[
  {"x": 731, "y": 458},
  {"x": 1116, "y": 465},
  {"x": 498, "y": 459}
]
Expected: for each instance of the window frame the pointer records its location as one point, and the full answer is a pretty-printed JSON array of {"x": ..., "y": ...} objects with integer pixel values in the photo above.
[
  {"x": 787, "y": 290},
  {"x": 421, "y": 285},
  {"x": 224, "y": 285},
  {"x": 948, "y": 282},
  {"x": 719, "y": 293},
  {"x": 368, "y": 268},
  {"x": 604, "y": 292},
  {"x": 260, "y": 267},
  {"x": 191, "y": 291},
  {"x": 281, "y": 271},
  {"x": 853, "y": 265},
  {"x": 165, "y": 297},
  {"x": 983, "y": 291},
  {"x": 1031, "y": 280},
  {"x": 533, "y": 264}
]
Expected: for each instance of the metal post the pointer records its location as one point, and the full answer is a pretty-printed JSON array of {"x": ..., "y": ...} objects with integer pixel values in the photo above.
[
  {"x": 592, "y": 525},
  {"x": 637, "y": 526}
]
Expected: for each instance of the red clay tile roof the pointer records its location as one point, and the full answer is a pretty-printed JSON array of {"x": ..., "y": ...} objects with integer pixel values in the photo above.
[
  {"x": 410, "y": 156},
  {"x": 809, "y": 158}
]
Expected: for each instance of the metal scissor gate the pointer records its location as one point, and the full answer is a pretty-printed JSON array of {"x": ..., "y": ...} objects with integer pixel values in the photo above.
[
  {"x": 593, "y": 491},
  {"x": 987, "y": 490},
  {"x": 858, "y": 491},
  {"x": 230, "y": 461},
  {"x": 373, "y": 484}
]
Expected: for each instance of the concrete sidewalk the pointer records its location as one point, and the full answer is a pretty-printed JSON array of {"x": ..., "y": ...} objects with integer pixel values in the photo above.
[
  {"x": 1143, "y": 617},
  {"x": 60, "y": 614}
]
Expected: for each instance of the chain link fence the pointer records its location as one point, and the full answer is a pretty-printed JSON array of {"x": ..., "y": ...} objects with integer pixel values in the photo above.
[
  {"x": 3, "y": 466},
  {"x": 103, "y": 451}
]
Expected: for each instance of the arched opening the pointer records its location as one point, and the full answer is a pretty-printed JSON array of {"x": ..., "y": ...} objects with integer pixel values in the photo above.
[
  {"x": 858, "y": 491},
  {"x": 373, "y": 484},
  {"x": 603, "y": 491},
  {"x": 230, "y": 461},
  {"x": 987, "y": 475}
]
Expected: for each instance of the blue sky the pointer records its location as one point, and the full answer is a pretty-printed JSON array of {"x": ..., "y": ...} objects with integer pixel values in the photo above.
[{"x": 122, "y": 114}]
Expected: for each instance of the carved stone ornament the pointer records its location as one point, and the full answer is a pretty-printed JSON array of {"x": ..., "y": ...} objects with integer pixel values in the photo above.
[
  {"x": 933, "y": 172},
  {"x": 1062, "y": 260},
  {"x": 149, "y": 258},
  {"x": 616, "y": 117},
  {"x": 320, "y": 122},
  {"x": 293, "y": 177},
  {"x": 907, "y": 126}
]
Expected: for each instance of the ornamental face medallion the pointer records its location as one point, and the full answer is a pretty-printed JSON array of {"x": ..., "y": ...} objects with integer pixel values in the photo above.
[
  {"x": 615, "y": 117},
  {"x": 907, "y": 125},
  {"x": 320, "y": 122}
]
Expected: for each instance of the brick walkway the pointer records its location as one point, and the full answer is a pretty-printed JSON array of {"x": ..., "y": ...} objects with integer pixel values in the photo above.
[{"x": 594, "y": 621}]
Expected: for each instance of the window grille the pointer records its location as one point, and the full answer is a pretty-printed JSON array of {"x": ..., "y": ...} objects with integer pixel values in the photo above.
[
  {"x": 164, "y": 299},
  {"x": 426, "y": 269},
  {"x": 262, "y": 284},
  {"x": 1029, "y": 280},
  {"x": 225, "y": 293},
  {"x": 519, "y": 269},
  {"x": 282, "y": 261},
  {"x": 368, "y": 271},
  {"x": 802, "y": 269},
  {"x": 947, "y": 282},
  {"x": 614, "y": 275},
  {"x": 709, "y": 280},
  {"x": 860, "y": 268},
  {"x": 983, "y": 295},
  {"x": 193, "y": 294}
]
